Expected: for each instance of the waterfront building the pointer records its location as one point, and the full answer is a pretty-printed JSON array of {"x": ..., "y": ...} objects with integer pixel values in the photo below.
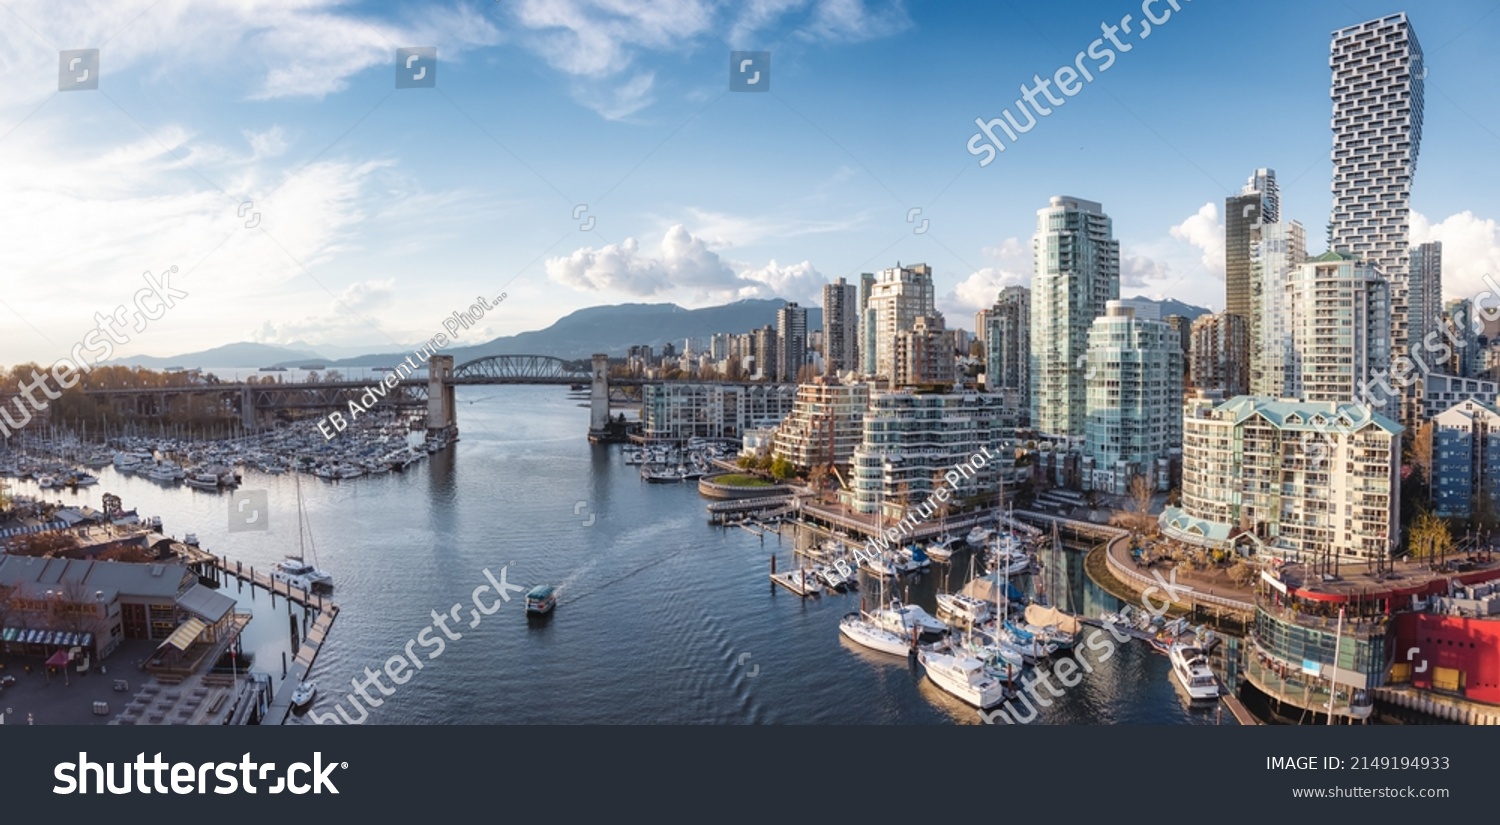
[
  {"x": 1216, "y": 340},
  {"x": 1310, "y": 481},
  {"x": 911, "y": 439},
  {"x": 924, "y": 354},
  {"x": 1076, "y": 270},
  {"x": 1324, "y": 645},
  {"x": 791, "y": 342},
  {"x": 841, "y": 327},
  {"x": 1466, "y": 460},
  {"x": 825, "y": 425},
  {"x": 1339, "y": 315},
  {"x": 1134, "y": 418},
  {"x": 1377, "y": 91},
  {"x": 1281, "y": 248},
  {"x": 1440, "y": 392},
  {"x": 56, "y": 603},
  {"x": 679, "y": 410},
  {"x": 897, "y": 299},
  {"x": 1007, "y": 344}
]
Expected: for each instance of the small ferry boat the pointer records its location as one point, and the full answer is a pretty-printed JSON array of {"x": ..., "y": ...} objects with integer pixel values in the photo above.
[{"x": 541, "y": 599}]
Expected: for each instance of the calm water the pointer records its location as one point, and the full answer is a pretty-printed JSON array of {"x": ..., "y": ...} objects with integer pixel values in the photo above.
[{"x": 661, "y": 618}]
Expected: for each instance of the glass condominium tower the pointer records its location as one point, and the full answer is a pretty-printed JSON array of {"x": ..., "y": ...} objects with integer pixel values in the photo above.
[{"x": 1075, "y": 273}]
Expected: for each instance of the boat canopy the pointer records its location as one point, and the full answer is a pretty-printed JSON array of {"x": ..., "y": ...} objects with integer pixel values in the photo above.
[
  {"x": 541, "y": 591},
  {"x": 1051, "y": 617}
]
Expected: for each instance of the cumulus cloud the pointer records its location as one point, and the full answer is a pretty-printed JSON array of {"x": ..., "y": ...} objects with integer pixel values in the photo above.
[
  {"x": 1471, "y": 250},
  {"x": 1139, "y": 271},
  {"x": 681, "y": 266},
  {"x": 981, "y": 288},
  {"x": 1204, "y": 231}
]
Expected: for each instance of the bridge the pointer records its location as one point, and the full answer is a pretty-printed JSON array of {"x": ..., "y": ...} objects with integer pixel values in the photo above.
[{"x": 258, "y": 403}]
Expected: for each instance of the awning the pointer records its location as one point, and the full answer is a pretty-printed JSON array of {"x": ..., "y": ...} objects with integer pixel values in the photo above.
[{"x": 185, "y": 634}]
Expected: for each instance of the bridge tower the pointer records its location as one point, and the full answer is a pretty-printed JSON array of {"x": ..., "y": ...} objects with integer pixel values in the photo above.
[
  {"x": 599, "y": 397},
  {"x": 442, "y": 415}
]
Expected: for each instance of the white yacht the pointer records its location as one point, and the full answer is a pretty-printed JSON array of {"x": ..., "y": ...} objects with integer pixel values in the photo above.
[
  {"x": 963, "y": 676},
  {"x": 1192, "y": 671},
  {"x": 858, "y": 628},
  {"x": 303, "y": 694},
  {"x": 965, "y": 609},
  {"x": 979, "y": 535}
]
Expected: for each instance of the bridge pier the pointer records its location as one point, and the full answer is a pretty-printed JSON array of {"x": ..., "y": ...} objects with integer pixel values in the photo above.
[
  {"x": 442, "y": 405},
  {"x": 599, "y": 396},
  {"x": 247, "y": 410}
]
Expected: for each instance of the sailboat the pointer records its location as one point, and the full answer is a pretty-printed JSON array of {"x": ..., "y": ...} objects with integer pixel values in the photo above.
[
  {"x": 296, "y": 571},
  {"x": 861, "y": 629}
]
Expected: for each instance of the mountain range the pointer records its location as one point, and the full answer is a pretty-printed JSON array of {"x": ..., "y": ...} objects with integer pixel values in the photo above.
[{"x": 611, "y": 329}]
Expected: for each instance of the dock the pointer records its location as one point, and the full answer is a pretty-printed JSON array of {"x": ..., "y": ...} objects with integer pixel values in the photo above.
[
  {"x": 322, "y": 611},
  {"x": 1236, "y": 707}
]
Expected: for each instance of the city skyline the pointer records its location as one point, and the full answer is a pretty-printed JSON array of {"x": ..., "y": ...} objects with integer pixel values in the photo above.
[{"x": 381, "y": 209}]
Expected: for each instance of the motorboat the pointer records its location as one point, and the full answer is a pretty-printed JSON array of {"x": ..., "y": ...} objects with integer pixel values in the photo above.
[
  {"x": 831, "y": 577},
  {"x": 202, "y": 481},
  {"x": 964, "y": 609},
  {"x": 801, "y": 582},
  {"x": 964, "y": 676},
  {"x": 978, "y": 536},
  {"x": 191, "y": 539},
  {"x": 303, "y": 694},
  {"x": 1191, "y": 668},
  {"x": 858, "y": 628}
]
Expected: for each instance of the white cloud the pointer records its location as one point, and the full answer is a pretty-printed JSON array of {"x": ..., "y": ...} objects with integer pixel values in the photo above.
[
  {"x": 981, "y": 288},
  {"x": 343, "y": 318},
  {"x": 596, "y": 41},
  {"x": 1471, "y": 250},
  {"x": 1137, "y": 271},
  {"x": 1204, "y": 231},
  {"x": 683, "y": 267},
  {"x": 308, "y": 49}
]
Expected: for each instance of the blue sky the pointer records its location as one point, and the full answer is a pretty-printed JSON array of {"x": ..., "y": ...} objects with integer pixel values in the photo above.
[{"x": 382, "y": 210}]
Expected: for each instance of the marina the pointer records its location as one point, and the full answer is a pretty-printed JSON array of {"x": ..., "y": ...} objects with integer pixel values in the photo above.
[{"x": 647, "y": 546}]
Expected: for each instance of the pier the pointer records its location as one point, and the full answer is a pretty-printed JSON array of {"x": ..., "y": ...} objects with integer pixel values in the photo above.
[{"x": 322, "y": 612}]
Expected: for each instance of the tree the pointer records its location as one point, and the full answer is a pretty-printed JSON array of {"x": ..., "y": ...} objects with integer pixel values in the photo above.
[
  {"x": 1429, "y": 537},
  {"x": 781, "y": 469},
  {"x": 1419, "y": 452}
]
